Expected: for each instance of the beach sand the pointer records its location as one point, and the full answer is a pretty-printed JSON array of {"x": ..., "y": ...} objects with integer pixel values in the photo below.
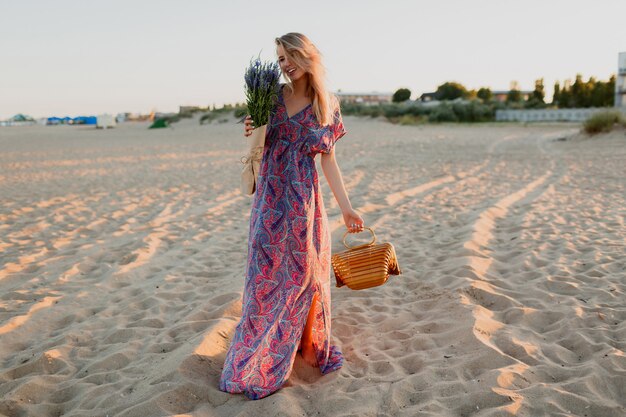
[{"x": 123, "y": 258}]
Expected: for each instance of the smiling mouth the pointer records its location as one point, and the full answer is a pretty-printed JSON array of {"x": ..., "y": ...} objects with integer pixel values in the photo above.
[{"x": 290, "y": 72}]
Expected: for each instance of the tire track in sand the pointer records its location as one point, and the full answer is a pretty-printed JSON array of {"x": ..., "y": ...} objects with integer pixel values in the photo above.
[
  {"x": 396, "y": 199},
  {"x": 484, "y": 292}
]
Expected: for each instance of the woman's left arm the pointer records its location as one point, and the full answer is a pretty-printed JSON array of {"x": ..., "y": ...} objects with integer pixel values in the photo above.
[{"x": 335, "y": 181}]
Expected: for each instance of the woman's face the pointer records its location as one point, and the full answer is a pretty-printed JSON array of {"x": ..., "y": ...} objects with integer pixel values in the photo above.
[{"x": 288, "y": 68}]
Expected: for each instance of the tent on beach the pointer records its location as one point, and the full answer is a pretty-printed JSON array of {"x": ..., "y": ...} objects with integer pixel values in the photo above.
[
  {"x": 85, "y": 120},
  {"x": 19, "y": 120},
  {"x": 79, "y": 120}
]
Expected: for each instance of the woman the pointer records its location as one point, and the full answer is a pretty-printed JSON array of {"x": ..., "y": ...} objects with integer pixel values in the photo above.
[{"x": 286, "y": 299}]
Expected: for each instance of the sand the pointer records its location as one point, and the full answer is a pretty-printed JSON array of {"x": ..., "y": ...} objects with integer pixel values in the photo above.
[{"x": 122, "y": 268}]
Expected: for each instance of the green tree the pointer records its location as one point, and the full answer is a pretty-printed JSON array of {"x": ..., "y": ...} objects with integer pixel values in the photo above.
[
  {"x": 450, "y": 91},
  {"x": 597, "y": 94},
  {"x": 402, "y": 94},
  {"x": 514, "y": 96},
  {"x": 536, "y": 99},
  {"x": 591, "y": 93},
  {"x": 578, "y": 91},
  {"x": 557, "y": 92},
  {"x": 587, "y": 92},
  {"x": 565, "y": 96},
  {"x": 609, "y": 91},
  {"x": 539, "y": 92},
  {"x": 485, "y": 94}
]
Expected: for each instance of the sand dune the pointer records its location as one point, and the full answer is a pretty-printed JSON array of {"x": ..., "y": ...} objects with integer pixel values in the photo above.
[{"x": 122, "y": 267}]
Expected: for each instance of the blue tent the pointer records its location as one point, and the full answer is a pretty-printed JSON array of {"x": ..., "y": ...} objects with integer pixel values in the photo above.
[
  {"x": 79, "y": 120},
  {"x": 85, "y": 120}
]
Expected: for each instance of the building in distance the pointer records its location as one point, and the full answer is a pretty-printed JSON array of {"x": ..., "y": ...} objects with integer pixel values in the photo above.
[
  {"x": 500, "y": 95},
  {"x": 497, "y": 95},
  {"x": 373, "y": 97}
]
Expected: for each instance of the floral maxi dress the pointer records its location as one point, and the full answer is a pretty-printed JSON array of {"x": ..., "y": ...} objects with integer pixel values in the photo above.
[{"x": 289, "y": 251}]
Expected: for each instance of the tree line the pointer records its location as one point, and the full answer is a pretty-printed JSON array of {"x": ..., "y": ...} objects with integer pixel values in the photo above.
[{"x": 590, "y": 93}]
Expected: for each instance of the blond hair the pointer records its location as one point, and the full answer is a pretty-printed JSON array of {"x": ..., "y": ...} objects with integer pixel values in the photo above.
[{"x": 301, "y": 51}]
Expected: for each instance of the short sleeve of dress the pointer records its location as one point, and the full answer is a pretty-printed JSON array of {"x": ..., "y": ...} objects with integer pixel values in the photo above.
[{"x": 336, "y": 130}]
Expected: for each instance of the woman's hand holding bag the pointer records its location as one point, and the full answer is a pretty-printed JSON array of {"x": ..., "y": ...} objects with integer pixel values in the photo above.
[{"x": 365, "y": 266}]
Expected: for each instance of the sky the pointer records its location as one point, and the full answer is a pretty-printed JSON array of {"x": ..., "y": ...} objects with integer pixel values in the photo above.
[{"x": 70, "y": 57}]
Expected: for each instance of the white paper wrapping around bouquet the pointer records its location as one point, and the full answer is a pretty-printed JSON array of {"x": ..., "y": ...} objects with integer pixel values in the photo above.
[{"x": 252, "y": 162}]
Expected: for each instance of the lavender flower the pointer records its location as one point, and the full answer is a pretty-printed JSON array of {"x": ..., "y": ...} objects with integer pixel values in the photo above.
[{"x": 261, "y": 89}]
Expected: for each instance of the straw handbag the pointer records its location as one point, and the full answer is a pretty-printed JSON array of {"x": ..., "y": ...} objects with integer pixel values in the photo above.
[{"x": 365, "y": 266}]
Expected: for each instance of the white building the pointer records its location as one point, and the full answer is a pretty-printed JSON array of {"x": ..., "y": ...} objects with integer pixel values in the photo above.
[
  {"x": 373, "y": 97},
  {"x": 620, "y": 81},
  {"x": 105, "y": 121}
]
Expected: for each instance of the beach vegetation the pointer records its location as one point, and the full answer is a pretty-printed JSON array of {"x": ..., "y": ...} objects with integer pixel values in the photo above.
[
  {"x": 604, "y": 121},
  {"x": 356, "y": 109},
  {"x": 473, "y": 112},
  {"x": 443, "y": 113},
  {"x": 410, "y": 119},
  {"x": 374, "y": 111},
  {"x": 238, "y": 110},
  {"x": 207, "y": 118},
  {"x": 467, "y": 111}
]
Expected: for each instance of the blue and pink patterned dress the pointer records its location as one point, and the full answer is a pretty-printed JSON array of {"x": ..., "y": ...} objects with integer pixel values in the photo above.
[{"x": 289, "y": 251}]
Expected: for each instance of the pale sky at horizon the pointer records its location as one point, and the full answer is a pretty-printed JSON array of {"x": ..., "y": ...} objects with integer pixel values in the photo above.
[{"x": 70, "y": 57}]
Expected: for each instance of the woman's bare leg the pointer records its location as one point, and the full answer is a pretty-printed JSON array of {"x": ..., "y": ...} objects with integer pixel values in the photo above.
[{"x": 308, "y": 353}]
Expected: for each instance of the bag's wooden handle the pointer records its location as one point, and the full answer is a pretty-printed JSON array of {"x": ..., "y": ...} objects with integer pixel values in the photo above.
[{"x": 363, "y": 245}]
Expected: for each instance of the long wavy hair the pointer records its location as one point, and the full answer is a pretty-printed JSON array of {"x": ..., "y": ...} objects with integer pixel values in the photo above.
[{"x": 304, "y": 54}]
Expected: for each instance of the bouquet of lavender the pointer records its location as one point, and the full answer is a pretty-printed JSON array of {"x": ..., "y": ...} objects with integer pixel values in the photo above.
[{"x": 261, "y": 89}]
